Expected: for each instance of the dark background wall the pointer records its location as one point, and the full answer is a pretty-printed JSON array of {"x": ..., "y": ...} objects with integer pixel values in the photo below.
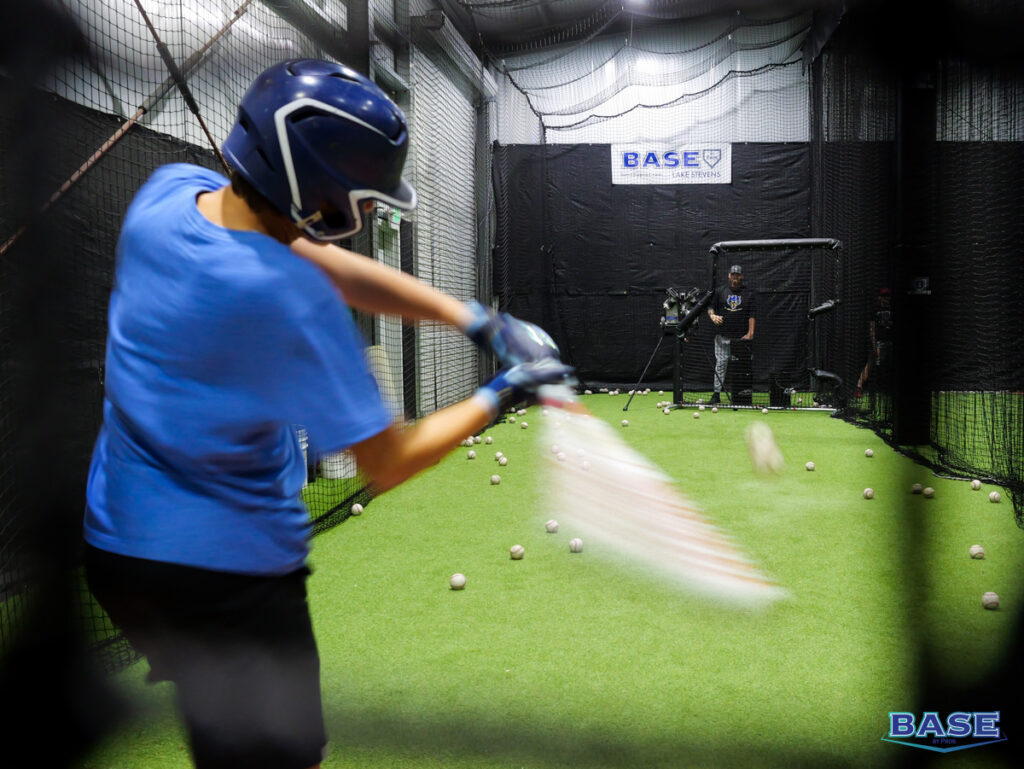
[{"x": 590, "y": 261}]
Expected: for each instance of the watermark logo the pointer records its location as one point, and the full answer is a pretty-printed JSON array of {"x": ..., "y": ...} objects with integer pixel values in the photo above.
[{"x": 959, "y": 731}]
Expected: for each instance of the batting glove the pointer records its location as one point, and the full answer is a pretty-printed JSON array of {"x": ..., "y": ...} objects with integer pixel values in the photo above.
[
  {"x": 512, "y": 341},
  {"x": 519, "y": 383}
]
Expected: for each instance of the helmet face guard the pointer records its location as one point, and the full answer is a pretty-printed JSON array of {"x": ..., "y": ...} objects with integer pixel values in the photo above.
[{"x": 317, "y": 139}]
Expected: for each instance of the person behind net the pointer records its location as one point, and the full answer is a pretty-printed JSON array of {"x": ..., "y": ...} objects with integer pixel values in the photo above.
[
  {"x": 230, "y": 324},
  {"x": 880, "y": 336},
  {"x": 733, "y": 311}
]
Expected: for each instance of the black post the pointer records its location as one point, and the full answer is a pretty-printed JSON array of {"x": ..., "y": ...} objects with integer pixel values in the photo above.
[{"x": 915, "y": 242}]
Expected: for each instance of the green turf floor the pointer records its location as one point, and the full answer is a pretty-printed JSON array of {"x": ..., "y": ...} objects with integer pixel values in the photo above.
[{"x": 570, "y": 660}]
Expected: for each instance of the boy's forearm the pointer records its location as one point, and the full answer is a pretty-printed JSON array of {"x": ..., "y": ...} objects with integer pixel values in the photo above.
[
  {"x": 376, "y": 288},
  {"x": 398, "y": 454}
]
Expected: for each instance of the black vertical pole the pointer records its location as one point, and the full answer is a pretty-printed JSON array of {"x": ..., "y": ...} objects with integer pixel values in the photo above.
[{"x": 915, "y": 243}]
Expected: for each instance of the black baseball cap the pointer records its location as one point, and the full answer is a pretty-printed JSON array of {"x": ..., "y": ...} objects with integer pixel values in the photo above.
[{"x": 735, "y": 270}]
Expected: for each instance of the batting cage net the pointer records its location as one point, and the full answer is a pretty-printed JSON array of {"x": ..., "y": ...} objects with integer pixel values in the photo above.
[
  {"x": 917, "y": 173},
  {"x": 159, "y": 83}
]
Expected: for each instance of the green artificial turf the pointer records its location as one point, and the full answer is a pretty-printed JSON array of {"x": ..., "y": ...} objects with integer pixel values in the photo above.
[{"x": 576, "y": 660}]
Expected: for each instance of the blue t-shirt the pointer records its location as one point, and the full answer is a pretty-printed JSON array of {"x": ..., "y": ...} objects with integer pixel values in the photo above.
[{"x": 219, "y": 342}]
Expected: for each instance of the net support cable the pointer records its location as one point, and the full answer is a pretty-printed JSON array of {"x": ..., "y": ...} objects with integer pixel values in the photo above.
[{"x": 175, "y": 80}]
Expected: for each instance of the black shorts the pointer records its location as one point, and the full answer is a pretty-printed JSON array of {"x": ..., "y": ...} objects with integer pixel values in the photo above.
[{"x": 239, "y": 649}]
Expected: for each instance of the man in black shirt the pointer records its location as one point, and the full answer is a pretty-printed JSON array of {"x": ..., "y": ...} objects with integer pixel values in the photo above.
[{"x": 733, "y": 311}]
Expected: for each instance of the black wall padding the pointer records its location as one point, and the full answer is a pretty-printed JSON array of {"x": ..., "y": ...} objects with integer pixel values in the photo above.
[{"x": 590, "y": 261}]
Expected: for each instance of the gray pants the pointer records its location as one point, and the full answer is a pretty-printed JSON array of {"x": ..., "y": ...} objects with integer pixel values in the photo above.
[{"x": 723, "y": 352}]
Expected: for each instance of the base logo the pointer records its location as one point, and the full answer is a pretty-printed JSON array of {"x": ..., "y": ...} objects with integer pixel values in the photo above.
[{"x": 959, "y": 731}]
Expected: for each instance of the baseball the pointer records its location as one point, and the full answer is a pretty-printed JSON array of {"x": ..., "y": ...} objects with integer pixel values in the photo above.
[
  {"x": 498, "y": 455},
  {"x": 561, "y": 456},
  {"x": 517, "y": 552},
  {"x": 457, "y": 581},
  {"x": 990, "y": 600},
  {"x": 799, "y": 400},
  {"x": 696, "y": 415},
  {"x": 764, "y": 411},
  {"x": 489, "y": 439},
  {"x": 511, "y": 419},
  {"x": 975, "y": 484},
  {"x": 809, "y": 465},
  {"x": 524, "y": 425},
  {"x": 551, "y": 527},
  {"x": 700, "y": 407},
  {"x": 869, "y": 453},
  {"x": 503, "y": 461},
  {"x": 928, "y": 491},
  {"x": 666, "y": 410},
  {"x": 470, "y": 454},
  {"x": 714, "y": 409},
  {"x": 585, "y": 465},
  {"x": 477, "y": 439},
  {"x": 869, "y": 493},
  {"x": 977, "y": 551},
  {"x": 916, "y": 488},
  {"x": 357, "y": 509},
  {"x": 625, "y": 423},
  {"x": 994, "y": 497},
  {"x": 575, "y": 545},
  {"x": 495, "y": 480}
]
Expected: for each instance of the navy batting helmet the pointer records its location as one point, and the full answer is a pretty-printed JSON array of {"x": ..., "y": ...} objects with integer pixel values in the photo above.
[{"x": 316, "y": 139}]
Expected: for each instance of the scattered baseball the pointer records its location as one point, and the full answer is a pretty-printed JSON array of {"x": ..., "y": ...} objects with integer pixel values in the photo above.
[
  {"x": 869, "y": 452},
  {"x": 489, "y": 440},
  {"x": 586, "y": 464},
  {"x": 511, "y": 419},
  {"x": 765, "y": 456},
  {"x": 700, "y": 407},
  {"x": 517, "y": 552},
  {"x": 357, "y": 509},
  {"x": 666, "y": 410},
  {"x": 495, "y": 480},
  {"x": 714, "y": 409},
  {"x": 551, "y": 527},
  {"x": 477, "y": 439},
  {"x": 809, "y": 465},
  {"x": 470, "y": 454},
  {"x": 561, "y": 456},
  {"x": 977, "y": 551},
  {"x": 696, "y": 415},
  {"x": 917, "y": 488},
  {"x": 625, "y": 423},
  {"x": 457, "y": 581},
  {"x": 975, "y": 484},
  {"x": 928, "y": 491},
  {"x": 554, "y": 448},
  {"x": 990, "y": 600},
  {"x": 498, "y": 455},
  {"x": 869, "y": 493},
  {"x": 524, "y": 425},
  {"x": 764, "y": 411},
  {"x": 503, "y": 461},
  {"x": 994, "y": 497},
  {"x": 575, "y": 545}
]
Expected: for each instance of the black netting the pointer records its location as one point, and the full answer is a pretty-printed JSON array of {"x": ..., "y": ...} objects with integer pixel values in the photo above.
[{"x": 918, "y": 174}]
